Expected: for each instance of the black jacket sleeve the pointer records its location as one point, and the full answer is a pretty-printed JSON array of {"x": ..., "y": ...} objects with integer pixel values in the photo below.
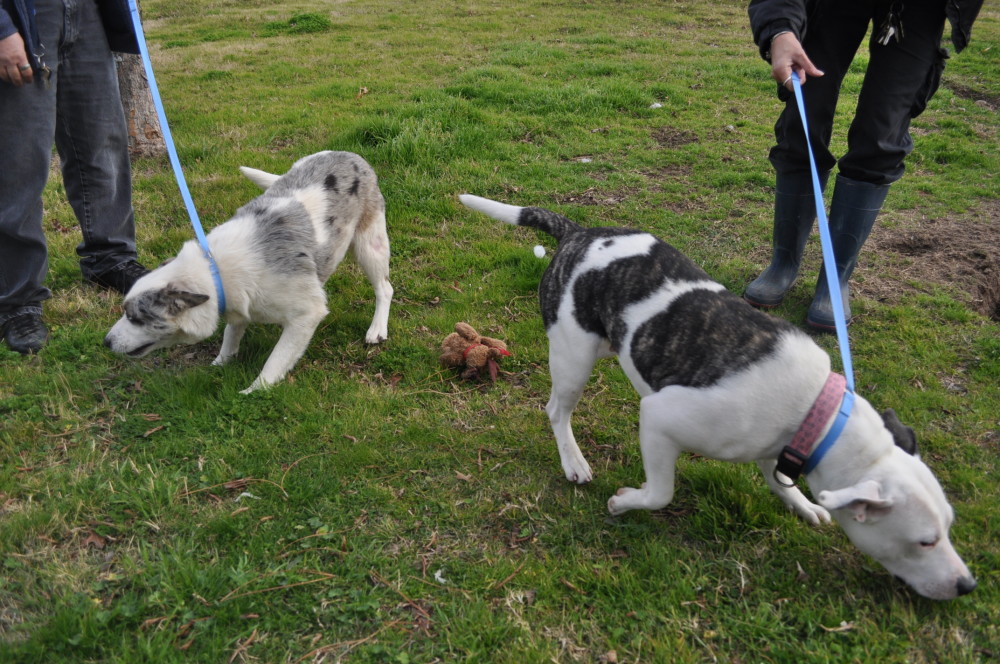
[
  {"x": 961, "y": 14},
  {"x": 117, "y": 19},
  {"x": 769, "y": 17}
]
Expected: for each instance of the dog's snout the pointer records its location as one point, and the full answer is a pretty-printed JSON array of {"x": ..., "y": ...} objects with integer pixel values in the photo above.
[
  {"x": 966, "y": 585},
  {"x": 107, "y": 341}
]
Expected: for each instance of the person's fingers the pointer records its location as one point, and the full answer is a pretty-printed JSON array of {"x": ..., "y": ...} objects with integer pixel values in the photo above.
[
  {"x": 26, "y": 72},
  {"x": 11, "y": 75}
]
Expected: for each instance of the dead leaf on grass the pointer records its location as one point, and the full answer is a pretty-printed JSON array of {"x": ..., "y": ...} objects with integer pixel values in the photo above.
[{"x": 93, "y": 540}]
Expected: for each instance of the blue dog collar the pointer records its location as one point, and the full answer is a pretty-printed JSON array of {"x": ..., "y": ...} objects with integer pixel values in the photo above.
[
  {"x": 832, "y": 435},
  {"x": 799, "y": 456},
  {"x": 213, "y": 267}
]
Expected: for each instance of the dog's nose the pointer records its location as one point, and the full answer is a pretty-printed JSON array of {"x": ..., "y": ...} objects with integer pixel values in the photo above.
[{"x": 966, "y": 585}]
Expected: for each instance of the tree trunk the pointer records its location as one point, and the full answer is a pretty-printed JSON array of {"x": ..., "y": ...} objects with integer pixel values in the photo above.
[{"x": 145, "y": 139}]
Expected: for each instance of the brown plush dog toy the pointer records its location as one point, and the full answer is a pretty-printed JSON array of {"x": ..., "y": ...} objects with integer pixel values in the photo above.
[{"x": 465, "y": 348}]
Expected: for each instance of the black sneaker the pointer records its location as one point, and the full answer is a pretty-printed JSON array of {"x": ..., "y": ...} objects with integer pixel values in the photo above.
[
  {"x": 121, "y": 277},
  {"x": 25, "y": 333}
]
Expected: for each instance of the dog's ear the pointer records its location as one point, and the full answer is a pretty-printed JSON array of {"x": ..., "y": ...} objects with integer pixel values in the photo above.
[
  {"x": 262, "y": 179},
  {"x": 903, "y": 435},
  {"x": 176, "y": 300},
  {"x": 864, "y": 499}
]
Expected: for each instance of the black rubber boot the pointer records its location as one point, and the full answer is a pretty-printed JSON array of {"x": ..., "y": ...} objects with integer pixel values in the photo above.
[
  {"x": 853, "y": 211},
  {"x": 794, "y": 214}
]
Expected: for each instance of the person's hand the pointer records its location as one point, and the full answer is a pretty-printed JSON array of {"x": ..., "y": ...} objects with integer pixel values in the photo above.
[
  {"x": 787, "y": 55},
  {"x": 14, "y": 67}
]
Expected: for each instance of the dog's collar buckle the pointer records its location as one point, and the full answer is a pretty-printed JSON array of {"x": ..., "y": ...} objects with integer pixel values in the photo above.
[
  {"x": 790, "y": 463},
  {"x": 798, "y": 456}
]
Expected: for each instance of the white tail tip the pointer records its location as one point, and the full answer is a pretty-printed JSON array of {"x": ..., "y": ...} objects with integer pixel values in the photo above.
[
  {"x": 495, "y": 209},
  {"x": 262, "y": 179}
]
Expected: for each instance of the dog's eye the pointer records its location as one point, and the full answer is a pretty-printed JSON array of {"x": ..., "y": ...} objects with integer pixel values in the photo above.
[
  {"x": 929, "y": 544},
  {"x": 132, "y": 319}
]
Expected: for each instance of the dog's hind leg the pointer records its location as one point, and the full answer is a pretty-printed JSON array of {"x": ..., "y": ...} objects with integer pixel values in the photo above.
[
  {"x": 371, "y": 250},
  {"x": 572, "y": 355},
  {"x": 659, "y": 458},
  {"x": 792, "y": 496},
  {"x": 231, "y": 338}
]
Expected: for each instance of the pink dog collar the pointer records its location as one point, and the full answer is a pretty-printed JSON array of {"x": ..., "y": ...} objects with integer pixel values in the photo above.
[{"x": 794, "y": 459}]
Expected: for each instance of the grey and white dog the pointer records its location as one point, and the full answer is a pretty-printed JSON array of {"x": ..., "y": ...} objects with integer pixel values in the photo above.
[
  {"x": 721, "y": 379},
  {"x": 274, "y": 257}
]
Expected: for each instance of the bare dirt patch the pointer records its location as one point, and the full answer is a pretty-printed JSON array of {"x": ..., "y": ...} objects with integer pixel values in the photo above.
[
  {"x": 960, "y": 253},
  {"x": 593, "y": 196},
  {"x": 980, "y": 97},
  {"x": 669, "y": 137}
]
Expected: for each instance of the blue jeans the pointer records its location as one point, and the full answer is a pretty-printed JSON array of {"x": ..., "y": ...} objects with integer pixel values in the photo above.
[{"x": 80, "y": 111}]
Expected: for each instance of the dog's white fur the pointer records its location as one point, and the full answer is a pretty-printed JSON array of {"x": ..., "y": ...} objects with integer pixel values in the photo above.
[
  {"x": 887, "y": 500},
  {"x": 254, "y": 290}
]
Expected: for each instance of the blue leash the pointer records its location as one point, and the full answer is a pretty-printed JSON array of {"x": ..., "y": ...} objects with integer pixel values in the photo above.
[
  {"x": 830, "y": 268},
  {"x": 174, "y": 161}
]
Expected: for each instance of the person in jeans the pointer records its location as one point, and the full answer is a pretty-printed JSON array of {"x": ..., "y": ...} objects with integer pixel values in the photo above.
[
  {"x": 58, "y": 83},
  {"x": 818, "y": 39}
]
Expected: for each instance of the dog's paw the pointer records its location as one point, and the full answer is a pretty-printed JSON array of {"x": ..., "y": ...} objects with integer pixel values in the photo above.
[
  {"x": 812, "y": 514},
  {"x": 376, "y": 336},
  {"x": 578, "y": 472},
  {"x": 620, "y": 502},
  {"x": 258, "y": 384},
  {"x": 221, "y": 360}
]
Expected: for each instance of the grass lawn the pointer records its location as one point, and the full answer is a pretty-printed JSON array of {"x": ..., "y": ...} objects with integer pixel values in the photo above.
[{"x": 376, "y": 508}]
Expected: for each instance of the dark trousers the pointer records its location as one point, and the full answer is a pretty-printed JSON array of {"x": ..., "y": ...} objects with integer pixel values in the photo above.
[
  {"x": 81, "y": 112},
  {"x": 899, "y": 80}
]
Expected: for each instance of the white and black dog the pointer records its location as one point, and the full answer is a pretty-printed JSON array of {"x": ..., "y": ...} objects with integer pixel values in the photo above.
[
  {"x": 274, "y": 257},
  {"x": 721, "y": 379}
]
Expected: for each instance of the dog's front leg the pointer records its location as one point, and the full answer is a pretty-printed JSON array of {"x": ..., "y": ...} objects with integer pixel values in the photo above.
[
  {"x": 291, "y": 345},
  {"x": 231, "y": 338},
  {"x": 659, "y": 458},
  {"x": 792, "y": 496}
]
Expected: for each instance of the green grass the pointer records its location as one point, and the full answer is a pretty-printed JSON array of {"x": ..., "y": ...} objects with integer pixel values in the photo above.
[{"x": 373, "y": 508}]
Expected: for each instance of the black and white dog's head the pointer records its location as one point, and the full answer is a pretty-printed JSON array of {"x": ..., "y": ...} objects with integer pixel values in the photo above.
[{"x": 160, "y": 312}]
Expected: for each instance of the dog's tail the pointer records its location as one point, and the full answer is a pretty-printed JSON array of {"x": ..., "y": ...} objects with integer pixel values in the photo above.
[{"x": 554, "y": 224}]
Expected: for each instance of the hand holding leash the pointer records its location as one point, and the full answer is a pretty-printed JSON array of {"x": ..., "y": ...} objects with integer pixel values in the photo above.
[{"x": 787, "y": 56}]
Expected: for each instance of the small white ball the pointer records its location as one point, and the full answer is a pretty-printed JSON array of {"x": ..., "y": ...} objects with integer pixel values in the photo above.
[{"x": 539, "y": 251}]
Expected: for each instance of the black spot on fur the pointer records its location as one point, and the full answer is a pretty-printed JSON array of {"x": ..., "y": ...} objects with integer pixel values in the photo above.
[
  {"x": 354, "y": 187},
  {"x": 331, "y": 183},
  {"x": 552, "y": 223},
  {"x": 702, "y": 337},
  {"x": 331, "y": 220},
  {"x": 698, "y": 339},
  {"x": 281, "y": 233}
]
